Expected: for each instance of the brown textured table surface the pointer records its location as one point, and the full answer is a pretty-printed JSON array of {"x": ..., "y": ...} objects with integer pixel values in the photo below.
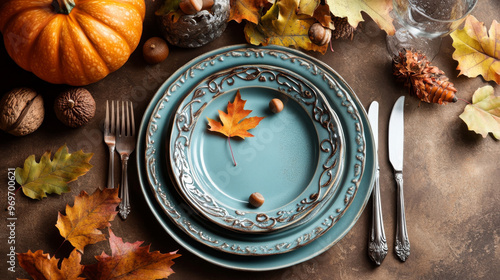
[{"x": 452, "y": 177}]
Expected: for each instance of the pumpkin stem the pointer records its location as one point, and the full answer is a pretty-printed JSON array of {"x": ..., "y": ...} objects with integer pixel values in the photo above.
[
  {"x": 63, "y": 6},
  {"x": 71, "y": 103}
]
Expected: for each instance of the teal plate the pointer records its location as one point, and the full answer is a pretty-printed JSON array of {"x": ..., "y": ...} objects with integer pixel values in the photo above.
[
  {"x": 274, "y": 242},
  {"x": 326, "y": 228},
  {"x": 295, "y": 159}
]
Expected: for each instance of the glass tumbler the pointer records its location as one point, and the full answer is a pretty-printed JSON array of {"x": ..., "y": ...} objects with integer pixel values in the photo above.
[{"x": 420, "y": 24}]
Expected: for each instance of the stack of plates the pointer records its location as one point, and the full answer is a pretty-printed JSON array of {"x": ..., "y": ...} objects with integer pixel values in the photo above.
[{"x": 313, "y": 162}]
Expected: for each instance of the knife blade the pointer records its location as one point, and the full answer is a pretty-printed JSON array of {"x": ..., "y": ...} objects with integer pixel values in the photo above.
[
  {"x": 377, "y": 243},
  {"x": 396, "y": 151}
]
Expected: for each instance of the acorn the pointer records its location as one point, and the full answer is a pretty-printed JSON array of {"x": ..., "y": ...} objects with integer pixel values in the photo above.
[
  {"x": 276, "y": 105},
  {"x": 155, "y": 50},
  {"x": 256, "y": 199},
  {"x": 207, "y": 4},
  {"x": 191, "y": 7},
  {"x": 319, "y": 35}
]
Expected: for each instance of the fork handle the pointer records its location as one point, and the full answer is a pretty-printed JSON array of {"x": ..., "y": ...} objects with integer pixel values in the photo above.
[
  {"x": 124, "y": 207},
  {"x": 402, "y": 246},
  {"x": 111, "y": 168}
]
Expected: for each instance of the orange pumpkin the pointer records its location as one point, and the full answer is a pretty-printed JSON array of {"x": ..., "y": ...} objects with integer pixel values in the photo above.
[{"x": 75, "y": 42}]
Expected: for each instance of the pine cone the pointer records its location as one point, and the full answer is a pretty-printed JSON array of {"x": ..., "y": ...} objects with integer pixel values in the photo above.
[
  {"x": 342, "y": 28},
  {"x": 427, "y": 82}
]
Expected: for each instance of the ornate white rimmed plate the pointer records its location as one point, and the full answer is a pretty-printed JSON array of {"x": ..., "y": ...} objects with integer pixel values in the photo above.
[
  {"x": 326, "y": 228},
  {"x": 295, "y": 160}
]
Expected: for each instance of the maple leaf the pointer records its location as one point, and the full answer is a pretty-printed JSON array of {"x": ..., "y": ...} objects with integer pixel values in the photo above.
[
  {"x": 234, "y": 122},
  {"x": 41, "y": 266},
  {"x": 130, "y": 261},
  {"x": 476, "y": 52},
  {"x": 378, "y": 10},
  {"x": 80, "y": 226},
  {"x": 483, "y": 115},
  {"x": 282, "y": 25},
  {"x": 246, "y": 10},
  {"x": 52, "y": 176}
]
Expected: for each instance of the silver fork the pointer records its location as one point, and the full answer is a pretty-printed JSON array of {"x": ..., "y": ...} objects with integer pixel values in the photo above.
[
  {"x": 125, "y": 145},
  {"x": 110, "y": 140}
]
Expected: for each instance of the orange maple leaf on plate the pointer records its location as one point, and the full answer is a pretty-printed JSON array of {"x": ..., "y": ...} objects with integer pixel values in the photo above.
[
  {"x": 82, "y": 222},
  {"x": 131, "y": 261},
  {"x": 41, "y": 266},
  {"x": 234, "y": 122}
]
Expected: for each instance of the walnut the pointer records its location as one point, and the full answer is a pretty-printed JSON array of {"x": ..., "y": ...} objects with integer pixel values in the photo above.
[
  {"x": 21, "y": 111},
  {"x": 75, "y": 107}
]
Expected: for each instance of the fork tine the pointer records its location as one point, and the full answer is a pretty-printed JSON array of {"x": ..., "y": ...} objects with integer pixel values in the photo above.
[
  {"x": 123, "y": 131},
  {"x": 132, "y": 118},
  {"x": 112, "y": 129},
  {"x": 127, "y": 118},
  {"x": 117, "y": 126},
  {"x": 106, "y": 120}
]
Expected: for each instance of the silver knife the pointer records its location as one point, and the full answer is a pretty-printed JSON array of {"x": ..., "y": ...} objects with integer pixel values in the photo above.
[
  {"x": 396, "y": 145},
  {"x": 377, "y": 244}
]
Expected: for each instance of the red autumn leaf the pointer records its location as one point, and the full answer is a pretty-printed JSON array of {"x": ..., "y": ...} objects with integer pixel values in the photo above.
[
  {"x": 41, "y": 266},
  {"x": 82, "y": 223},
  {"x": 130, "y": 261},
  {"x": 234, "y": 122}
]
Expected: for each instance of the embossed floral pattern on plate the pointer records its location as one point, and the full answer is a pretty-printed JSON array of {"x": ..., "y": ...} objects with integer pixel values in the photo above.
[{"x": 207, "y": 199}]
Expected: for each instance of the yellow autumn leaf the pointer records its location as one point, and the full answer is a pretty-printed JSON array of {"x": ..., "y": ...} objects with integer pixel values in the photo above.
[
  {"x": 483, "y": 115},
  {"x": 307, "y": 7},
  {"x": 84, "y": 220},
  {"x": 477, "y": 52},
  {"x": 282, "y": 25},
  {"x": 38, "y": 179},
  {"x": 378, "y": 10}
]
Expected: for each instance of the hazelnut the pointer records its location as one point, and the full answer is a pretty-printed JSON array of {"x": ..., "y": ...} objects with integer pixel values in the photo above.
[
  {"x": 319, "y": 35},
  {"x": 191, "y": 7},
  {"x": 256, "y": 199},
  {"x": 155, "y": 50},
  {"x": 75, "y": 107},
  {"x": 22, "y": 111},
  {"x": 276, "y": 105}
]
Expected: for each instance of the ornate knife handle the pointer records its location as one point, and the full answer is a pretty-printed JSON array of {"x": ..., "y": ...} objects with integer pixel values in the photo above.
[
  {"x": 402, "y": 246},
  {"x": 377, "y": 245}
]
